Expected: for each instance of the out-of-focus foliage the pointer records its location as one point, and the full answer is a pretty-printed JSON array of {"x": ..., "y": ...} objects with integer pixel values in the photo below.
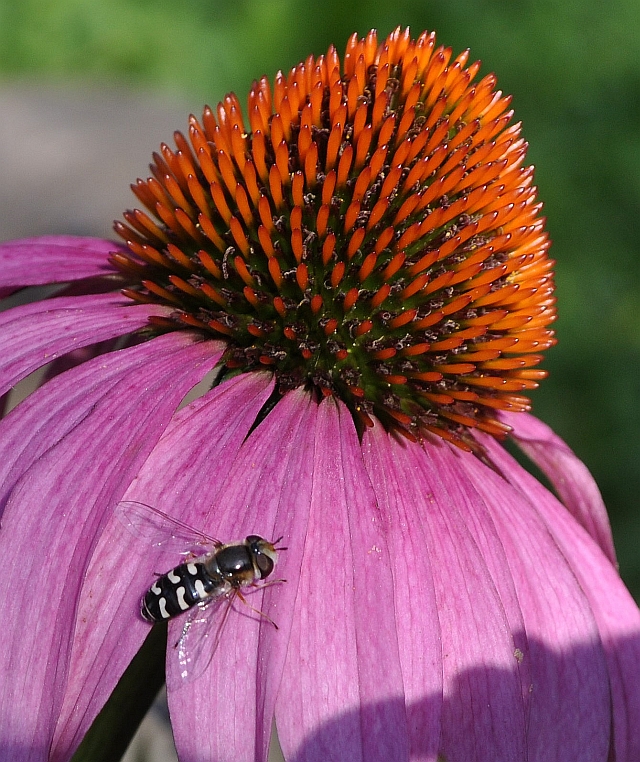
[{"x": 574, "y": 70}]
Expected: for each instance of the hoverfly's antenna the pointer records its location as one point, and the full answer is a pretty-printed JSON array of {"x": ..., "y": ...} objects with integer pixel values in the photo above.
[{"x": 275, "y": 544}]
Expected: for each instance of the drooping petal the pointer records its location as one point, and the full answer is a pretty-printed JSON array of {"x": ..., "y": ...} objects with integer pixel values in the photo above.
[
  {"x": 180, "y": 476},
  {"x": 54, "y": 516},
  {"x": 615, "y": 612},
  {"x": 565, "y": 647},
  {"x": 568, "y": 474},
  {"x": 342, "y": 695},
  {"x": 481, "y": 702},
  {"x": 259, "y": 493},
  {"x": 400, "y": 491},
  {"x": 34, "y": 334},
  {"x": 54, "y": 259},
  {"x": 44, "y": 418}
]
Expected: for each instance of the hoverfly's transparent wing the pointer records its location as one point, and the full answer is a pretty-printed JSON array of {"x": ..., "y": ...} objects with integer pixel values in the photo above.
[
  {"x": 162, "y": 531},
  {"x": 200, "y": 638}
]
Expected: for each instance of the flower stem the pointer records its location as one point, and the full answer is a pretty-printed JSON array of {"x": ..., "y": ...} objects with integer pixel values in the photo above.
[{"x": 112, "y": 730}]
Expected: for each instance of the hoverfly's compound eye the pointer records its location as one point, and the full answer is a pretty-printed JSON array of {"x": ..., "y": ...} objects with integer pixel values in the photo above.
[
  {"x": 265, "y": 565},
  {"x": 263, "y": 554}
]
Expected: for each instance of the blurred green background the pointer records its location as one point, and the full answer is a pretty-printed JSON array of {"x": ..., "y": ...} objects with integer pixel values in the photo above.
[{"x": 574, "y": 71}]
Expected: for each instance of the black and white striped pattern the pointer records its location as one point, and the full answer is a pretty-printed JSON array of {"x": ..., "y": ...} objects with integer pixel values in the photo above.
[{"x": 179, "y": 590}]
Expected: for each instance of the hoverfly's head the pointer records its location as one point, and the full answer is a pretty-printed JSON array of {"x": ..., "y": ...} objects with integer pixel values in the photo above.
[{"x": 263, "y": 553}]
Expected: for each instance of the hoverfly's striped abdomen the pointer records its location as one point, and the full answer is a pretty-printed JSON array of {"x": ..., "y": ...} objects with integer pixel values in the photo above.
[{"x": 179, "y": 590}]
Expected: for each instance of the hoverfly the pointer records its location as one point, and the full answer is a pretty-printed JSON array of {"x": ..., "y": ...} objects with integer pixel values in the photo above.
[{"x": 210, "y": 580}]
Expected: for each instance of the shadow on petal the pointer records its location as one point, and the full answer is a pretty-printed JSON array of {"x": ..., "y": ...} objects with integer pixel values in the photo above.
[{"x": 472, "y": 740}]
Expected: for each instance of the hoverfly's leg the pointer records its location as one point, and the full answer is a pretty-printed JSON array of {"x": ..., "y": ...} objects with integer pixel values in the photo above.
[
  {"x": 257, "y": 611},
  {"x": 267, "y": 583}
]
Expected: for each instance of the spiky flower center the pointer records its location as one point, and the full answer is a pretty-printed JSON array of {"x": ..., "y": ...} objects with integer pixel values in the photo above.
[{"x": 372, "y": 235}]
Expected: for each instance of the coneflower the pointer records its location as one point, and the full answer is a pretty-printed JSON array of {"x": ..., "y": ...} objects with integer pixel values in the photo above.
[{"x": 361, "y": 261}]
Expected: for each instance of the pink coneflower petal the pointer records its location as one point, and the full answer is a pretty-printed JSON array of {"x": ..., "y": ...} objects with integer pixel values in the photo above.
[
  {"x": 192, "y": 455},
  {"x": 45, "y": 418},
  {"x": 436, "y": 519},
  {"x": 267, "y": 491},
  {"x": 37, "y": 333},
  {"x": 569, "y": 475},
  {"x": 567, "y": 655},
  {"x": 55, "y": 513},
  {"x": 398, "y": 490},
  {"x": 54, "y": 259},
  {"x": 341, "y": 695},
  {"x": 615, "y": 612}
]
